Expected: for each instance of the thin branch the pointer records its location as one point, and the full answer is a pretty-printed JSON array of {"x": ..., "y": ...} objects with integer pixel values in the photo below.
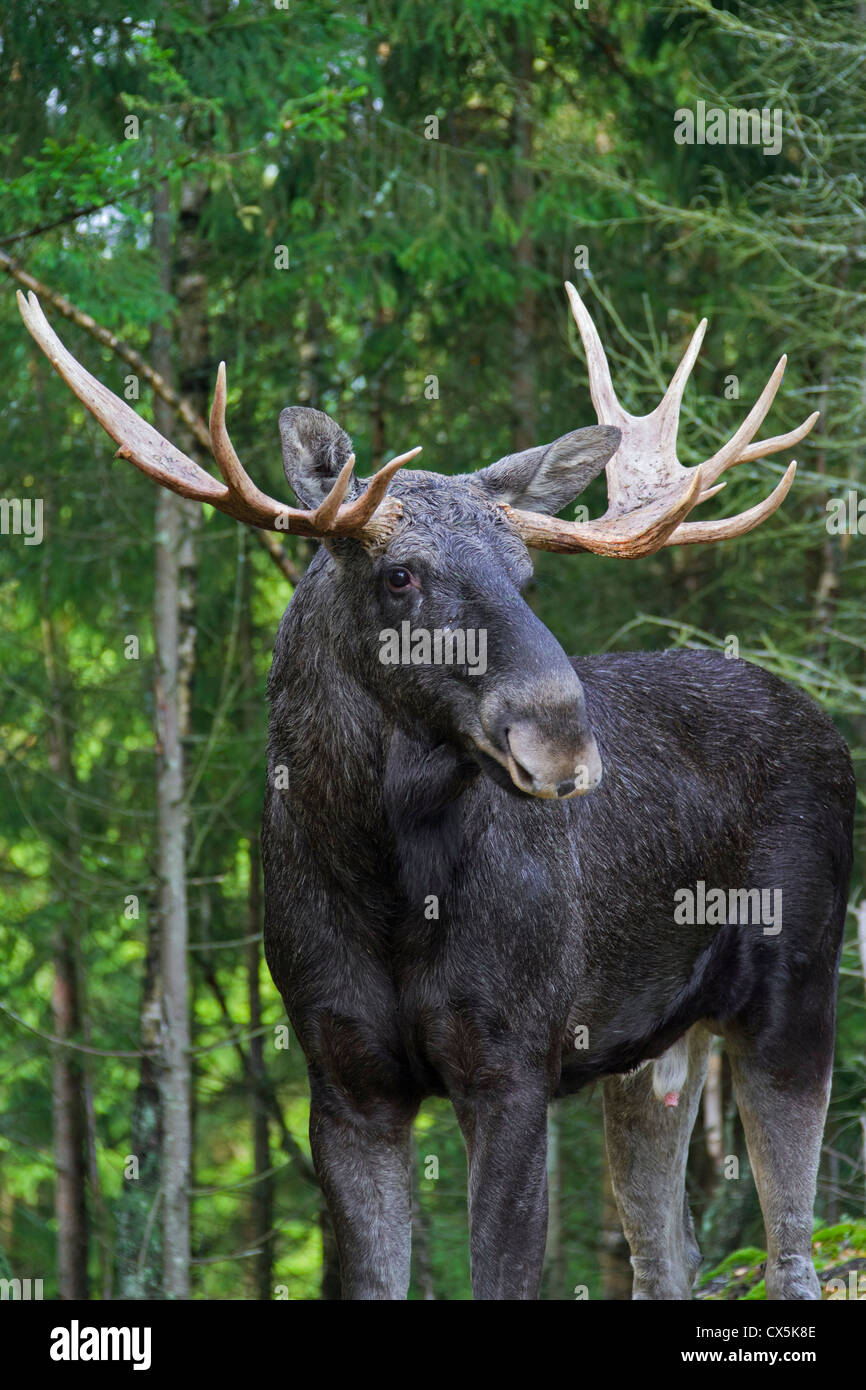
[
  {"x": 72, "y": 216},
  {"x": 132, "y": 192},
  {"x": 77, "y": 1047}
]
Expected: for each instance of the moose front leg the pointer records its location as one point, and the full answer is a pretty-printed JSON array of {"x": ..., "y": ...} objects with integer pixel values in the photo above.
[
  {"x": 506, "y": 1142},
  {"x": 362, "y": 1156}
]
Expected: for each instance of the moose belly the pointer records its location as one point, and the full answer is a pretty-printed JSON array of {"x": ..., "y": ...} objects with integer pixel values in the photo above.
[
  {"x": 581, "y": 979},
  {"x": 478, "y": 1002}
]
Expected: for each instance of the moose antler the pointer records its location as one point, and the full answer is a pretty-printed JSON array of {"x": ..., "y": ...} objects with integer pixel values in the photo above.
[
  {"x": 369, "y": 517},
  {"x": 649, "y": 491}
]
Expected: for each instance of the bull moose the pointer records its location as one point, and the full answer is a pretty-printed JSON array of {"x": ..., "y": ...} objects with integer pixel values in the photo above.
[{"x": 471, "y": 875}]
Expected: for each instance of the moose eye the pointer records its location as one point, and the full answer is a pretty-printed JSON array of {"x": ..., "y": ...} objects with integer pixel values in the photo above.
[{"x": 398, "y": 579}]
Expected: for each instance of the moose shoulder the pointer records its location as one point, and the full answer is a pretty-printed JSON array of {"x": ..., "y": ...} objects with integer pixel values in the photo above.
[{"x": 498, "y": 882}]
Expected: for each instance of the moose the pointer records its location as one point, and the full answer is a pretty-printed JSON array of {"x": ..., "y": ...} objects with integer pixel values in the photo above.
[{"x": 471, "y": 875}]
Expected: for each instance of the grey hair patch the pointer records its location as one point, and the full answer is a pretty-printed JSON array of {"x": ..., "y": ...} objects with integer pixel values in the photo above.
[{"x": 670, "y": 1072}]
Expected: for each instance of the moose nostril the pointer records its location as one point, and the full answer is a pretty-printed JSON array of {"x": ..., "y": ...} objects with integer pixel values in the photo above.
[
  {"x": 566, "y": 788},
  {"x": 518, "y": 765},
  {"x": 523, "y": 771}
]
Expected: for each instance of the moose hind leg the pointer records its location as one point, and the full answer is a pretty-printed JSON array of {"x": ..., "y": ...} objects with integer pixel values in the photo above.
[
  {"x": 781, "y": 1049},
  {"x": 647, "y": 1147},
  {"x": 783, "y": 1125}
]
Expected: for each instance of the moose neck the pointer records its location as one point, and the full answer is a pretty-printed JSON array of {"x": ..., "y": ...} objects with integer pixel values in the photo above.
[{"x": 377, "y": 800}]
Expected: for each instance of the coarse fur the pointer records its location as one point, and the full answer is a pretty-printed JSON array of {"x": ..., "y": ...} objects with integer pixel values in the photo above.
[{"x": 434, "y": 930}]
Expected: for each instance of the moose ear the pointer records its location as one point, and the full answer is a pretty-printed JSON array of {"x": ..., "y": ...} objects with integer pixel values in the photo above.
[
  {"x": 315, "y": 448},
  {"x": 547, "y": 478}
]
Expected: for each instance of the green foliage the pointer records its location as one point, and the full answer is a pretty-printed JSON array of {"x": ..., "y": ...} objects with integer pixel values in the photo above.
[
  {"x": 837, "y": 1251},
  {"x": 411, "y": 259}
]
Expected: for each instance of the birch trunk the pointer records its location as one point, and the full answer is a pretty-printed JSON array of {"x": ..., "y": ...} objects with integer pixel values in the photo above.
[{"x": 171, "y": 707}]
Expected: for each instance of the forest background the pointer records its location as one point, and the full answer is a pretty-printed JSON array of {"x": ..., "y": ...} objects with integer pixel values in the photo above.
[{"x": 370, "y": 209}]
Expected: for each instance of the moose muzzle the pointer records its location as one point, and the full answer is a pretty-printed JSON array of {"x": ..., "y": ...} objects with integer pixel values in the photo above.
[
  {"x": 545, "y": 745},
  {"x": 551, "y": 769}
]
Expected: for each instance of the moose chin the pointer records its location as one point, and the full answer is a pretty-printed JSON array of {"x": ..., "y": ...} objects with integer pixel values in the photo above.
[{"x": 473, "y": 876}]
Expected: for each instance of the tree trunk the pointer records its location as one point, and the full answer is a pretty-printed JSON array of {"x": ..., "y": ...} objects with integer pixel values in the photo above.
[
  {"x": 68, "y": 1079},
  {"x": 139, "y": 1233},
  {"x": 263, "y": 1189},
  {"x": 523, "y": 382},
  {"x": 70, "y": 1199},
  {"x": 172, "y": 709}
]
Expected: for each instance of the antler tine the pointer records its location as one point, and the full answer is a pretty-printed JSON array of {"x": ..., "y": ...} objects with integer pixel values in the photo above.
[
  {"x": 764, "y": 447},
  {"x": 731, "y": 452},
  {"x": 221, "y": 445},
  {"x": 607, "y": 407},
  {"x": 360, "y": 512},
  {"x": 692, "y": 532},
  {"x": 327, "y": 510},
  {"x": 667, "y": 412},
  {"x": 252, "y": 504}
]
